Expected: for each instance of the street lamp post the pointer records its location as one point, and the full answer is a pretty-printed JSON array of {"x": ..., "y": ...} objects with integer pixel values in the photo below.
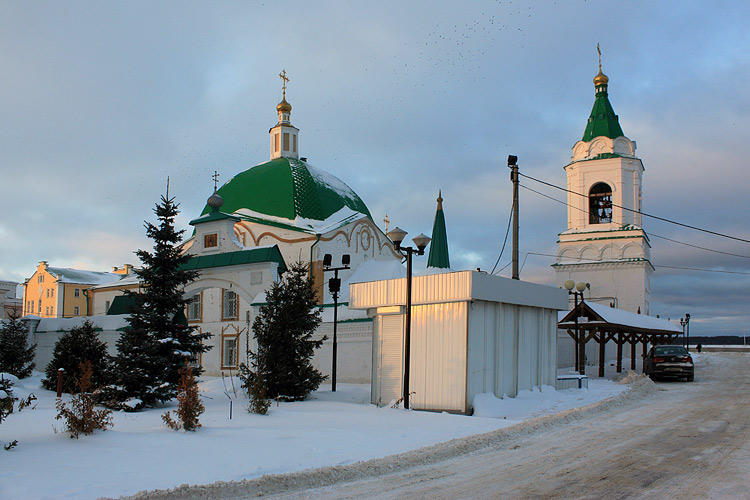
[
  {"x": 579, "y": 288},
  {"x": 334, "y": 286},
  {"x": 397, "y": 236},
  {"x": 687, "y": 330},
  {"x": 683, "y": 322}
]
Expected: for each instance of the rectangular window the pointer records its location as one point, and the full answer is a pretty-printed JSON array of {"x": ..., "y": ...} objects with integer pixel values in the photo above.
[
  {"x": 194, "y": 308},
  {"x": 229, "y": 305},
  {"x": 46, "y": 311},
  {"x": 76, "y": 311},
  {"x": 294, "y": 143},
  {"x": 51, "y": 310},
  {"x": 286, "y": 141},
  {"x": 77, "y": 292},
  {"x": 229, "y": 351},
  {"x": 47, "y": 292},
  {"x": 39, "y": 310},
  {"x": 52, "y": 292},
  {"x": 211, "y": 240},
  {"x": 275, "y": 143}
]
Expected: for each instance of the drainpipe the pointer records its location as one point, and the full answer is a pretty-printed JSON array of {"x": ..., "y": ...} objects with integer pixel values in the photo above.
[
  {"x": 310, "y": 270},
  {"x": 86, "y": 294}
]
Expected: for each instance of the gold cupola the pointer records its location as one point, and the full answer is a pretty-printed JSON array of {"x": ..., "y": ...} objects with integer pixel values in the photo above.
[{"x": 284, "y": 136}]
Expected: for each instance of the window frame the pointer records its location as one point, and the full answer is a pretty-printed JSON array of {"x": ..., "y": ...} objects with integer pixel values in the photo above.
[
  {"x": 224, "y": 315},
  {"x": 226, "y": 337},
  {"x": 190, "y": 304}
]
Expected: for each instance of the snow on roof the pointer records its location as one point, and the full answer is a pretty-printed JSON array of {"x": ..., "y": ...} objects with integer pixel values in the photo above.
[
  {"x": 625, "y": 318},
  {"x": 344, "y": 216},
  {"x": 105, "y": 322},
  {"x": 128, "y": 280},
  {"x": 68, "y": 275},
  {"x": 435, "y": 270}
]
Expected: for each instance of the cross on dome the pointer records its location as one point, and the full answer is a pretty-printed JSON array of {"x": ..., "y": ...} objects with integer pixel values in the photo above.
[{"x": 285, "y": 79}]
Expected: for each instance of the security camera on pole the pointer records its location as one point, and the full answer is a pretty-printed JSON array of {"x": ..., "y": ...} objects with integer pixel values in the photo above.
[{"x": 334, "y": 286}]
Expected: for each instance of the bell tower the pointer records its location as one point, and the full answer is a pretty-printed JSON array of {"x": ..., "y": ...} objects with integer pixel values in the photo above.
[{"x": 604, "y": 244}]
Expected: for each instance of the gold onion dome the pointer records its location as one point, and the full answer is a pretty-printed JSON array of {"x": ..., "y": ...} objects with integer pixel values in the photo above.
[
  {"x": 600, "y": 79},
  {"x": 284, "y": 106}
]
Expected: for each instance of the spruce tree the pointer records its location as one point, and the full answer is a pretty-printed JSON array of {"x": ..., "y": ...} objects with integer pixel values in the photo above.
[
  {"x": 16, "y": 355},
  {"x": 156, "y": 344},
  {"x": 283, "y": 331},
  {"x": 73, "y": 348}
]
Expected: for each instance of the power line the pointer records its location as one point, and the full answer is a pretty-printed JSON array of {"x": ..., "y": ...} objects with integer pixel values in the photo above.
[
  {"x": 642, "y": 213},
  {"x": 649, "y": 232},
  {"x": 510, "y": 219}
]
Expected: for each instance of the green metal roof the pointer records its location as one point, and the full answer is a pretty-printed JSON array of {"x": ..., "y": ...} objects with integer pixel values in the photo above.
[
  {"x": 254, "y": 255},
  {"x": 288, "y": 188},
  {"x": 122, "y": 304},
  {"x": 439, "y": 245},
  {"x": 603, "y": 120}
]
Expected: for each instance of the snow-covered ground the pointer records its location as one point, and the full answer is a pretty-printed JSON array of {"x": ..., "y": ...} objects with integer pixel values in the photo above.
[{"x": 141, "y": 453}]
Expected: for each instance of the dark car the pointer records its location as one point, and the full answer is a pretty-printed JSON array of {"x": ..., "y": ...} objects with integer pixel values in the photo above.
[{"x": 669, "y": 361}]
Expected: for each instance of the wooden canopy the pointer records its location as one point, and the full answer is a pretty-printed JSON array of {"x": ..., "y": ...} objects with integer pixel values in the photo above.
[{"x": 603, "y": 324}]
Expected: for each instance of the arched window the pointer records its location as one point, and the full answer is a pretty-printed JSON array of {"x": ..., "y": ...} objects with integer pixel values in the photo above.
[{"x": 600, "y": 204}]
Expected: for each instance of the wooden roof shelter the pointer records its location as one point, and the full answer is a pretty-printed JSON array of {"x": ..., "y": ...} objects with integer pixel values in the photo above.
[{"x": 591, "y": 321}]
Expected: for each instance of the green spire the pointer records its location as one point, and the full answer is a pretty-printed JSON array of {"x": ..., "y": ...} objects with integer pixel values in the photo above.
[
  {"x": 439, "y": 245},
  {"x": 603, "y": 120}
]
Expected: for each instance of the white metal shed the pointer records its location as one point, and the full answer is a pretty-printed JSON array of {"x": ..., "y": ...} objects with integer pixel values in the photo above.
[{"x": 471, "y": 333}]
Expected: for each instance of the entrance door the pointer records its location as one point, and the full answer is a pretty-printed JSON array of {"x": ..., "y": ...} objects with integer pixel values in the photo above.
[{"x": 391, "y": 357}]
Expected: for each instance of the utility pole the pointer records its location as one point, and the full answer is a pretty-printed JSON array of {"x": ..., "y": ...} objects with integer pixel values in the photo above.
[{"x": 512, "y": 164}]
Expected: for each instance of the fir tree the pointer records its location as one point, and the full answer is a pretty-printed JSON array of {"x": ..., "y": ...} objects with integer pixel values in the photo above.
[
  {"x": 155, "y": 345},
  {"x": 16, "y": 355},
  {"x": 283, "y": 330},
  {"x": 79, "y": 345}
]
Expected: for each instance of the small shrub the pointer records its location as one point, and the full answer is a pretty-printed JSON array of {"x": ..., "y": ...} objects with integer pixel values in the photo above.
[
  {"x": 259, "y": 401},
  {"x": 6, "y": 398},
  {"x": 80, "y": 415},
  {"x": 189, "y": 406},
  {"x": 81, "y": 344},
  {"x": 25, "y": 403},
  {"x": 16, "y": 355}
]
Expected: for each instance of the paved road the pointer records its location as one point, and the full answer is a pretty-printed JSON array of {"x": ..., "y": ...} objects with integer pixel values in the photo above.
[{"x": 682, "y": 440}]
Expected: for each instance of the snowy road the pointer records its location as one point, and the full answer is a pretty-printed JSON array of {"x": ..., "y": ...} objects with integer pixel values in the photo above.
[{"x": 669, "y": 440}]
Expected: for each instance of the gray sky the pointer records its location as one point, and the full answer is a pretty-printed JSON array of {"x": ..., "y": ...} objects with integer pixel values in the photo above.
[{"x": 101, "y": 101}]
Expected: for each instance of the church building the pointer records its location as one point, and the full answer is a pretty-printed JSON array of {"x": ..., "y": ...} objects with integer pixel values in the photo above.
[
  {"x": 604, "y": 244},
  {"x": 260, "y": 222}
]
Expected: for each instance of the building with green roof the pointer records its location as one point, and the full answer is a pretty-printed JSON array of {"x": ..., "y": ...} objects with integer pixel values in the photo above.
[
  {"x": 604, "y": 243},
  {"x": 259, "y": 222}
]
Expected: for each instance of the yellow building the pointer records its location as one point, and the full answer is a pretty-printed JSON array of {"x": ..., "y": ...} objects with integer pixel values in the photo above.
[{"x": 59, "y": 292}]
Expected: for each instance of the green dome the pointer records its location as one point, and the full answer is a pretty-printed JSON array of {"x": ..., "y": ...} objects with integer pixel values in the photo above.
[{"x": 288, "y": 188}]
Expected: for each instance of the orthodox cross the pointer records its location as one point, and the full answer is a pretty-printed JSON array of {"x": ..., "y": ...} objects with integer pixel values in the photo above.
[
  {"x": 386, "y": 220},
  {"x": 600, "y": 56},
  {"x": 216, "y": 179},
  {"x": 285, "y": 79}
]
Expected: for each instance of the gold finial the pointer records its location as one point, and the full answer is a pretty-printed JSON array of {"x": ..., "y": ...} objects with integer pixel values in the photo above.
[
  {"x": 386, "y": 220},
  {"x": 285, "y": 79},
  {"x": 440, "y": 199}
]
